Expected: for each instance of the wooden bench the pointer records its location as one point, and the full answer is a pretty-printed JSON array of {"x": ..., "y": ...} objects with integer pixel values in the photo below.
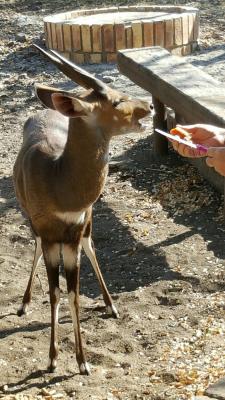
[{"x": 194, "y": 96}]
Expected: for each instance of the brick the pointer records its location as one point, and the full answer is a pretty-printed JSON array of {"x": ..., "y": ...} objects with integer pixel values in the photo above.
[
  {"x": 59, "y": 37},
  {"x": 54, "y": 38},
  {"x": 87, "y": 58},
  {"x": 169, "y": 33},
  {"x": 191, "y": 26},
  {"x": 66, "y": 54},
  {"x": 185, "y": 28},
  {"x": 177, "y": 51},
  {"x": 76, "y": 37},
  {"x": 123, "y": 8},
  {"x": 68, "y": 15},
  {"x": 129, "y": 37},
  {"x": 46, "y": 33},
  {"x": 140, "y": 8},
  {"x": 186, "y": 50},
  {"x": 67, "y": 37},
  {"x": 78, "y": 58},
  {"x": 196, "y": 27},
  {"x": 73, "y": 14},
  {"x": 159, "y": 33},
  {"x": 137, "y": 34},
  {"x": 133, "y": 8},
  {"x": 104, "y": 10},
  {"x": 86, "y": 38},
  {"x": 178, "y": 39},
  {"x": 49, "y": 33},
  {"x": 111, "y": 57},
  {"x": 108, "y": 37},
  {"x": 95, "y": 58},
  {"x": 148, "y": 33},
  {"x": 96, "y": 38},
  {"x": 120, "y": 36},
  {"x": 194, "y": 46}
]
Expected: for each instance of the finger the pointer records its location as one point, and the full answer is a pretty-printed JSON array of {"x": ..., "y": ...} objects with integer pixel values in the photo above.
[
  {"x": 174, "y": 144},
  {"x": 183, "y": 150},
  {"x": 188, "y": 128}
]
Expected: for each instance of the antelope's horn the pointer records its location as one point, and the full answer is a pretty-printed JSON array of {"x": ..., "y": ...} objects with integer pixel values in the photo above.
[{"x": 77, "y": 74}]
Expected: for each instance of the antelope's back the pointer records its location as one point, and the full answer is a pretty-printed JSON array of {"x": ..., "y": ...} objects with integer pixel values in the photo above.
[{"x": 44, "y": 138}]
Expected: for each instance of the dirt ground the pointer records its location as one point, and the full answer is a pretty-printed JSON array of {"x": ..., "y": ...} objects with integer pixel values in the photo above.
[{"x": 159, "y": 235}]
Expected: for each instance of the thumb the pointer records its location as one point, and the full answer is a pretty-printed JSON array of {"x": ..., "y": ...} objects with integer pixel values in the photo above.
[
  {"x": 210, "y": 162},
  {"x": 188, "y": 128}
]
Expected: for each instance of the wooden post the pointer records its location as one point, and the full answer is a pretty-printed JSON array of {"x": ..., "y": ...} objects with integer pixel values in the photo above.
[
  {"x": 159, "y": 121},
  {"x": 224, "y": 201}
]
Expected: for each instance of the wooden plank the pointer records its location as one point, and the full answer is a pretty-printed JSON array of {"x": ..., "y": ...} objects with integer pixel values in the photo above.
[{"x": 188, "y": 90}]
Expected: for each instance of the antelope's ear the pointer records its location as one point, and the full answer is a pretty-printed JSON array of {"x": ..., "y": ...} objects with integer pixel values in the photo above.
[
  {"x": 71, "y": 106},
  {"x": 44, "y": 94}
]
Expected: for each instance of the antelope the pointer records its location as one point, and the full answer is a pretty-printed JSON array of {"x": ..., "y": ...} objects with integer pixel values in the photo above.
[{"x": 59, "y": 173}]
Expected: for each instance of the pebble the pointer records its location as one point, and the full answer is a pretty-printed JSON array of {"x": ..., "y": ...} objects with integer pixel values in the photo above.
[
  {"x": 21, "y": 37},
  {"x": 5, "y": 388}
]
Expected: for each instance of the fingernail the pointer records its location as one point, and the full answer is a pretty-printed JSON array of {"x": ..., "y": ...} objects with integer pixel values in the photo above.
[{"x": 202, "y": 148}]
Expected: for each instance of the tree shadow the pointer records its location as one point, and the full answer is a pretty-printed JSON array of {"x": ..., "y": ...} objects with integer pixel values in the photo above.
[
  {"x": 7, "y": 194},
  {"x": 33, "y": 380},
  {"x": 126, "y": 264},
  {"x": 34, "y": 327}
]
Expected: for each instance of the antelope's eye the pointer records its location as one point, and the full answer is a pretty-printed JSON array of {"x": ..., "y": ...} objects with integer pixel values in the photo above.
[{"x": 116, "y": 103}]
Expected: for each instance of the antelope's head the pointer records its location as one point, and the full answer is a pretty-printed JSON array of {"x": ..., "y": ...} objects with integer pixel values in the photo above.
[{"x": 100, "y": 105}]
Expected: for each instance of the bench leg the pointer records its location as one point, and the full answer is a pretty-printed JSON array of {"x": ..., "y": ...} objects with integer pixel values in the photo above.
[
  {"x": 159, "y": 121},
  {"x": 224, "y": 200}
]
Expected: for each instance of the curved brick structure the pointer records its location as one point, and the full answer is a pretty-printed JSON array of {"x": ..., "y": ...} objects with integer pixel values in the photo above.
[{"x": 94, "y": 36}]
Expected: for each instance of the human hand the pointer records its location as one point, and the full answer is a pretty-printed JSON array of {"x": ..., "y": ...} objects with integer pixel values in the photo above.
[
  {"x": 216, "y": 159},
  {"x": 206, "y": 135}
]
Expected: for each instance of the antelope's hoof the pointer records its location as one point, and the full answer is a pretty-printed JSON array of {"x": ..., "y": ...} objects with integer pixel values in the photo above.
[
  {"x": 85, "y": 369},
  {"x": 22, "y": 310},
  {"x": 51, "y": 366},
  {"x": 111, "y": 310}
]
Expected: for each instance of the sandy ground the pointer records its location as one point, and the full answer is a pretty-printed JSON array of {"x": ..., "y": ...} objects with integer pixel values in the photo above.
[{"x": 159, "y": 237}]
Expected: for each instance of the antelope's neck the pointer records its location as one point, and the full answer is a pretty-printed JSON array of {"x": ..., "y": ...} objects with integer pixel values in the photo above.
[{"x": 84, "y": 163}]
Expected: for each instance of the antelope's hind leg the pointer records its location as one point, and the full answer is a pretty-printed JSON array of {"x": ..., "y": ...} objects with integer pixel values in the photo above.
[
  {"x": 89, "y": 250},
  {"x": 71, "y": 260},
  {"x": 28, "y": 292}
]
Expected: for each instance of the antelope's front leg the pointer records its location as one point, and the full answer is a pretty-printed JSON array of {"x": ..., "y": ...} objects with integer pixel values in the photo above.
[
  {"x": 51, "y": 254},
  {"x": 71, "y": 259},
  {"x": 28, "y": 292}
]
